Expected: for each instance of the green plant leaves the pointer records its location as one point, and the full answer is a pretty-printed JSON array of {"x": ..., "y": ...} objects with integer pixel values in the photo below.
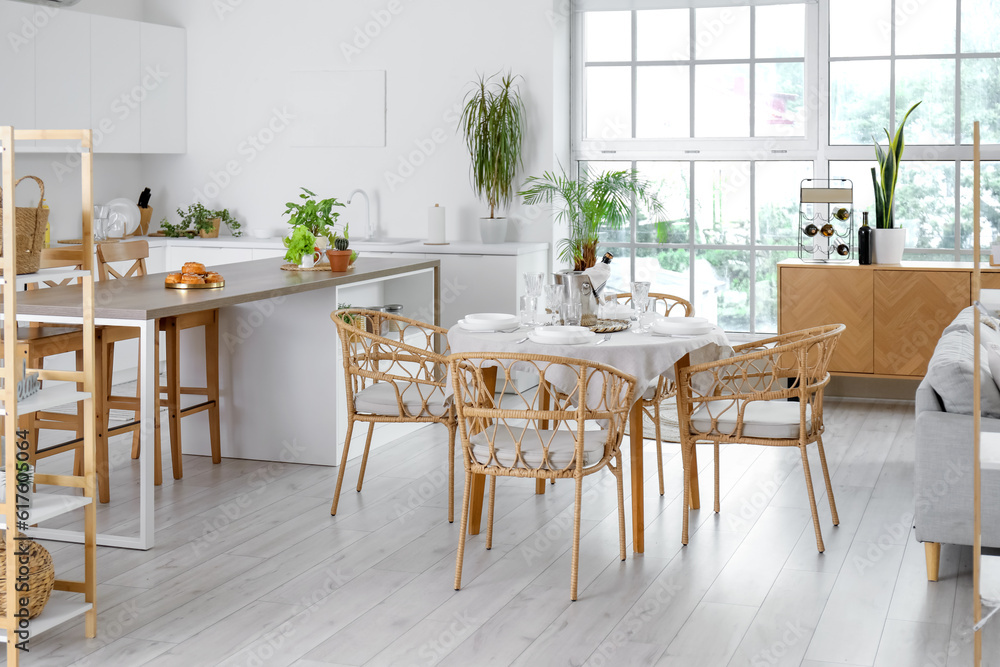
[
  {"x": 316, "y": 216},
  {"x": 888, "y": 161}
]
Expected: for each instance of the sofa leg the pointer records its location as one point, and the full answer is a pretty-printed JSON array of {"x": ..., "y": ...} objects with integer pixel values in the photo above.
[{"x": 932, "y": 552}]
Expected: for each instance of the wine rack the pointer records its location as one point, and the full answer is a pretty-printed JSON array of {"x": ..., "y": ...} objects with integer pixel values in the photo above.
[{"x": 826, "y": 220}]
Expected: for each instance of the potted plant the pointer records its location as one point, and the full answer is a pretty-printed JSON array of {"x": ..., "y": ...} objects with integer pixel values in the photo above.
[
  {"x": 889, "y": 239},
  {"x": 202, "y": 221},
  {"x": 492, "y": 123},
  {"x": 589, "y": 205},
  {"x": 340, "y": 256},
  {"x": 318, "y": 217},
  {"x": 301, "y": 244}
]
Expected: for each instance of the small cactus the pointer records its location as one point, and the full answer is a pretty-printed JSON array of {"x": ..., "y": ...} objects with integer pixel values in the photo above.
[{"x": 341, "y": 243}]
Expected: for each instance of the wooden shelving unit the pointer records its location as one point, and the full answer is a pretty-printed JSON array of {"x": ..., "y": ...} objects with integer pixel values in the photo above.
[{"x": 65, "y": 604}]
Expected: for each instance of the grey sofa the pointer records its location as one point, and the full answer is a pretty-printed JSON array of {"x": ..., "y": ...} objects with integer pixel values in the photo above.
[{"x": 943, "y": 489}]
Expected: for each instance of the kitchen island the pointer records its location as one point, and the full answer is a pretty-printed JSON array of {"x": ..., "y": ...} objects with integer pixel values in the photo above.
[{"x": 279, "y": 354}]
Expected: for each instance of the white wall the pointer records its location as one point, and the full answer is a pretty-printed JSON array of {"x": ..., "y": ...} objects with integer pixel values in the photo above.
[{"x": 240, "y": 55}]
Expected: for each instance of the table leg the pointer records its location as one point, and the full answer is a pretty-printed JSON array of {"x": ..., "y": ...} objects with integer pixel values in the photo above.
[
  {"x": 694, "y": 496},
  {"x": 479, "y": 481},
  {"x": 635, "y": 459},
  {"x": 543, "y": 404}
]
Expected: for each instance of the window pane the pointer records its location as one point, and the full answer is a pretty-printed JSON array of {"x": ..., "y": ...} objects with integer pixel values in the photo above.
[
  {"x": 859, "y": 172},
  {"x": 859, "y": 101},
  {"x": 779, "y": 106},
  {"x": 722, "y": 202},
  {"x": 667, "y": 269},
  {"x": 609, "y": 102},
  {"x": 722, "y": 101},
  {"x": 925, "y": 203},
  {"x": 781, "y": 31},
  {"x": 593, "y": 169},
  {"x": 722, "y": 33},
  {"x": 989, "y": 204},
  {"x": 776, "y": 198},
  {"x": 663, "y": 34},
  {"x": 931, "y": 82},
  {"x": 860, "y": 27},
  {"x": 607, "y": 36},
  {"x": 925, "y": 26},
  {"x": 914, "y": 256},
  {"x": 981, "y": 99},
  {"x": 663, "y": 102},
  {"x": 722, "y": 287},
  {"x": 766, "y": 289},
  {"x": 674, "y": 192},
  {"x": 980, "y": 26}
]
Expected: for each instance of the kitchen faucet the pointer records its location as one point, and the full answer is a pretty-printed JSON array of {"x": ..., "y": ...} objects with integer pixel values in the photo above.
[{"x": 369, "y": 232}]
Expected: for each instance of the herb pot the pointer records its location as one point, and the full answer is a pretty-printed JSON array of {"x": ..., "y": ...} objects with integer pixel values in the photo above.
[
  {"x": 339, "y": 259},
  {"x": 214, "y": 234}
]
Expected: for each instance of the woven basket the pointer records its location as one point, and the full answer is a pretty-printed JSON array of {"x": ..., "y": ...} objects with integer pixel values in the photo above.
[
  {"x": 29, "y": 225},
  {"x": 41, "y": 577}
]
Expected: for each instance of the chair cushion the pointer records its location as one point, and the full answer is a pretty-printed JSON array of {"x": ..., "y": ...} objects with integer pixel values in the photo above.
[
  {"x": 560, "y": 450},
  {"x": 950, "y": 375},
  {"x": 380, "y": 399},
  {"x": 761, "y": 419}
]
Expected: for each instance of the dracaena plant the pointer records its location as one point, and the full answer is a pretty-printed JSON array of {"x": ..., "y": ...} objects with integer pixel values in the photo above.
[
  {"x": 884, "y": 178},
  {"x": 590, "y": 204}
]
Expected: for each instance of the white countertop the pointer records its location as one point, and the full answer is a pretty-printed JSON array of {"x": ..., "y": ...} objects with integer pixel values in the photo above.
[{"x": 453, "y": 248}]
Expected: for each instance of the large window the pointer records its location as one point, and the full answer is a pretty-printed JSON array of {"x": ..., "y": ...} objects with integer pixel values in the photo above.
[{"x": 728, "y": 109}]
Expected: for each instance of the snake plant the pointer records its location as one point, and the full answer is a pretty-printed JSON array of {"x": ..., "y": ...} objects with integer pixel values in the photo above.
[{"x": 888, "y": 173}]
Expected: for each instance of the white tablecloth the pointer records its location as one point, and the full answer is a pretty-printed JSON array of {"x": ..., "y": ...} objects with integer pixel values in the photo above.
[{"x": 644, "y": 356}]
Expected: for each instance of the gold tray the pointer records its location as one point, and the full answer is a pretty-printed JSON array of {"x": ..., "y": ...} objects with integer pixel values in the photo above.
[
  {"x": 610, "y": 326},
  {"x": 197, "y": 286}
]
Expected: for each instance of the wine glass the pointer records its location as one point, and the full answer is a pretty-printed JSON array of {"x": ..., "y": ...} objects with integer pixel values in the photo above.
[
  {"x": 532, "y": 290},
  {"x": 555, "y": 295},
  {"x": 640, "y": 301}
]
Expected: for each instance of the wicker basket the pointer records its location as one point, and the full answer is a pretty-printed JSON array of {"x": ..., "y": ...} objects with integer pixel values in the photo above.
[
  {"x": 29, "y": 226},
  {"x": 41, "y": 577}
]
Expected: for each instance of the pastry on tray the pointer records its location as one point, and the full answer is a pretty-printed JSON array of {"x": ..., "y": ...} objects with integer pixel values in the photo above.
[
  {"x": 194, "y": 268},
  {"x": 213, "y": 277},
  {"x": 173, "y": 278},
  {"x": 192, "y": 279}
]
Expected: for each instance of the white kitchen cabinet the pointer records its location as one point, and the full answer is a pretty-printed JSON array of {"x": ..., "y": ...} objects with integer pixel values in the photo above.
[
  {"x": 210, "y": 257},
  {"x": 115, "y": 85},
  {"x": 163, "y": 60},
  {"x": 62, "y": 75},
  {"x": 267, "y": 253},
  {"x": 17, "y": 62}
]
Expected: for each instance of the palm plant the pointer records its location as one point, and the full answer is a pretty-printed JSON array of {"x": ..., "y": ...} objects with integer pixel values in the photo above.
[
  {"x": 888, "y": 174},
  {"x": 589, "y": 205},
  {"x": 493, "y": 125}
]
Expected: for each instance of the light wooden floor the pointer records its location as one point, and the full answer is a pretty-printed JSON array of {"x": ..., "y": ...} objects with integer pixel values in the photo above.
[{"x": 250, "y": 568}]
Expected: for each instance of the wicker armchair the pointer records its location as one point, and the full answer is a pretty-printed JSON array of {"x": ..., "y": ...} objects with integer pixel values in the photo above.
[
  {"x": 653, "y": 396},
  {"x": 745, "y": 399},
  {"x": 525, "y": 437},
  {"x": 395, "y": 371}
]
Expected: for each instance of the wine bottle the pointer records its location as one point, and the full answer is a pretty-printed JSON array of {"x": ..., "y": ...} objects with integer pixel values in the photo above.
[
  {"x": 864, "y": 241},
  {"x": 600, "y": 273},
  {"x": 843, "y": 250},
  {"x": 827, "y": 230},
  {"x": 811, "y": 230},
  {"x": 841, "y": 214}
]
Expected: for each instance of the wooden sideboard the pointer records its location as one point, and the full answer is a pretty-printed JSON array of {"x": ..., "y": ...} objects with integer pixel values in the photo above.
[{"x": 894, "y": 313}]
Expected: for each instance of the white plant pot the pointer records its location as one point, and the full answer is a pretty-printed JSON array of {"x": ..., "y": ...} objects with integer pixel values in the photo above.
[
  {"x": 889, "y": 244},
  {"x": 493, "y": 230}
]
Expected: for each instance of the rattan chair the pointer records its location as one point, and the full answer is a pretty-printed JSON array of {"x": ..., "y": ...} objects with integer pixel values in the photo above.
[
  {"x": 522, "y": 437},
  {"x": 750, "y": 398},
  {"x": 654, "y": 396},
  {"x": 395, "y": 370}
]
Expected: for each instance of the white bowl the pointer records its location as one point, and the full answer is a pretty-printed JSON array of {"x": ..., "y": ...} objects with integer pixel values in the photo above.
[{"x": 261, "y": 233}]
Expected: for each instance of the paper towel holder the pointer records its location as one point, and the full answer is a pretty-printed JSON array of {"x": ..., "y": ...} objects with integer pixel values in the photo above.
[{"x": 432, "y": 216}]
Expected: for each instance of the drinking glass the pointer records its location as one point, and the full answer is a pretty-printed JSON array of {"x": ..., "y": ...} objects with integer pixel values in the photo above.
[
  {"x": 100, "y": 222},
  {"x": 529, "y": 310},
  {"x": 571, "y": 312},
  {"x": 533, "y": 283},
  {"x": 640, "y": 301}
]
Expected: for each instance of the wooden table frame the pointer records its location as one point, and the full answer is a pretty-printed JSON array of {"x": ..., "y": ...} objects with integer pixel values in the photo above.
[{"x": 635, "y": 461}]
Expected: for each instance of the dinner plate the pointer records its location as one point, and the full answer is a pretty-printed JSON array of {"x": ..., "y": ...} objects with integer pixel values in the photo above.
[
  {"x": 128, "y": 210},
  {"x": 682, "y": 325},
  {"x": 566, "y": 339},
  {"x": 490, "y": 317},
  {"x": 488, "y": 327}
]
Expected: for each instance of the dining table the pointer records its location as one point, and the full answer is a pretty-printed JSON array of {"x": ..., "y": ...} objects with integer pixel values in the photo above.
[{"x": 645, "y": 356}]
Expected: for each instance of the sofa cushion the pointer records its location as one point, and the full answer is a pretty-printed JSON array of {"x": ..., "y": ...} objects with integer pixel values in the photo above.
[
  {"x": 989, "y": 327},
  {"x": 950, "y": 375}
]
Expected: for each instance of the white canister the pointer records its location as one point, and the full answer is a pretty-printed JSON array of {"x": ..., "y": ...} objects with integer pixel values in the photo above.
[{"x": 435, "y": 224}]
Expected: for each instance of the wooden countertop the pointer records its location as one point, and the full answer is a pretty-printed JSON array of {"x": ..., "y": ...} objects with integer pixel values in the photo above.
[
  {"x": 904, "y": 266},
  {"x": 146, "y": 298}
]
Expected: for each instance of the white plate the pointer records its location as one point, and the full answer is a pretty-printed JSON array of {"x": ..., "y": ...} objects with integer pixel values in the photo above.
[
  {"x": 568, "y": 339},
  {"x": 128, "y": 209},
  {"x": 682, "y": 325},
  {"x": 561, "y": 330},
  {"x": 488, "y": 327},
  {"x": 490, "y": 317}
]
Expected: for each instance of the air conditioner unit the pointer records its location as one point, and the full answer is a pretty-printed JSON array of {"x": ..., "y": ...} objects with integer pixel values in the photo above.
[{"x": 53, "y": 3}]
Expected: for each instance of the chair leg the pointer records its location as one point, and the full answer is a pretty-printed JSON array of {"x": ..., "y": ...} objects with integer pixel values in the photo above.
[
  {"x": 212, "y": 383},
  {"x": 466, "y": 497},
  {"x": 575, "y": 566},
  {"x": 716, "y": 453},
  {"x": 826, "y": 478},
  {"x": 364, "y": 457},
  {"x": 686, "y": 500},
  {"x": 621, "y": 504},
  {"x": 659, "y": 444},
  {"x": 812, "y": 499},
  {"x": 174, "y": 397},
  {"x": 932, "y": 553},
  {"x": 452, "y": 427},
  {"x": 489, "y": 512},
  {"x": 343, "y": 465}
]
